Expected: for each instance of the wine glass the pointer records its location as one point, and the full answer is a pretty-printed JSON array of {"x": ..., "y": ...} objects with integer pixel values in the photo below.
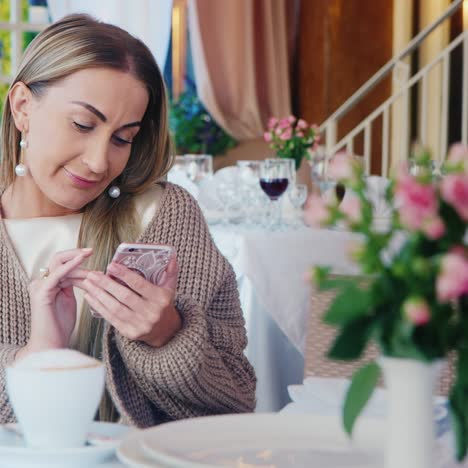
[
  {"x": 297, "y": 194},
  {"x": 318, "y": 166},
  {"x": 249, "y": 174},
  {"x": 274, "y": 180},
  {"x": 198, "y": 166}
]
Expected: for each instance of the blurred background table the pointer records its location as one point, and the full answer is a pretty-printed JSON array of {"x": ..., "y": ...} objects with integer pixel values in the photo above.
[{"x": 270, "y": 268}]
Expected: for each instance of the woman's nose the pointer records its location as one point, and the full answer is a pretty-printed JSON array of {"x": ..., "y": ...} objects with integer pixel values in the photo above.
[{"x": 96, "y": 157}]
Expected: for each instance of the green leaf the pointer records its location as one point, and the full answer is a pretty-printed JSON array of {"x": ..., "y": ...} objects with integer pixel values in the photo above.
[
  {"x": 459, "y": 405},
  {"x": 352, "y": 340},
  {"x": 362, "y": 386},
  {"x": 348, "y": 305}
]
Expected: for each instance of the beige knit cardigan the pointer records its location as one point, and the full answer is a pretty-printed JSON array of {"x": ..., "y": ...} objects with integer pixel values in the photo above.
[{"x": 201, "y": 371}]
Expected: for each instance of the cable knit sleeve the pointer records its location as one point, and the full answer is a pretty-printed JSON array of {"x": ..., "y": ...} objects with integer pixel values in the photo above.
[
  {"x": 7, "y": 356},
  {"x": 203, "y": 369}
]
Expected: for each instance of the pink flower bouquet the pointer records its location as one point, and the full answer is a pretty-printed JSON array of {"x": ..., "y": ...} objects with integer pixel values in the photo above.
[
  {"x": 291, "y": 137},
  {"x": 415, "y": 302}
]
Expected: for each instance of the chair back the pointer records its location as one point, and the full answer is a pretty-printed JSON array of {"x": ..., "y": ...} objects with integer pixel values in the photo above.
[{"x": 320, "y": 337}]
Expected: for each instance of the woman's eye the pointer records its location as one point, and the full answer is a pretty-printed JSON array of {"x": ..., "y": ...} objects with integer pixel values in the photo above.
[
  {"x": 120, "y": 141},
  {"x": 82, "y": 128}
]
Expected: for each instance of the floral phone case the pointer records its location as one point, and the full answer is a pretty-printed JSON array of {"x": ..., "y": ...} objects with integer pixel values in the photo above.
[{"x": 148, "y": 260}]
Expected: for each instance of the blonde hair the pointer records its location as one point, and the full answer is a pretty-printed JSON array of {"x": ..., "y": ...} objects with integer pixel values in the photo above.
[{"x": 79, "y": 42}]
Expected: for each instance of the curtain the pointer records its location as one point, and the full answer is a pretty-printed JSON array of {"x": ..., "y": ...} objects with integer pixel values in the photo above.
[
  {"x": 241, "y": 57},
  {"x": 148, "y": 20}
]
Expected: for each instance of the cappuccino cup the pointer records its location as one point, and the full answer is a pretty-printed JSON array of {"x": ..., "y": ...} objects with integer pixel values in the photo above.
[{"x": 55, "y": 395}]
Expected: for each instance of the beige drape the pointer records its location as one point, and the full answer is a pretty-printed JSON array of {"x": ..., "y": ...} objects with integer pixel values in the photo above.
[{"x": 241, "y": 61}]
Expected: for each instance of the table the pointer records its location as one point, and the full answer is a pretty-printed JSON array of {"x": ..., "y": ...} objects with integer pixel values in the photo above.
[{"x": 270, "y": 267}]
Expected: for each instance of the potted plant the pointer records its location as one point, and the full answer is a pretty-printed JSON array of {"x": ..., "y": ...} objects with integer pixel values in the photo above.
[{"x": 193, "y": 129}]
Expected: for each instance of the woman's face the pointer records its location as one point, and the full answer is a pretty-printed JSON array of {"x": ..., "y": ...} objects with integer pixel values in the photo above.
[{"x": 80, "y": 134}]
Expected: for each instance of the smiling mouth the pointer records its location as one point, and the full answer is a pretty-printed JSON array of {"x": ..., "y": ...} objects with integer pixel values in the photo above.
[{"x": 78, "y": 181}]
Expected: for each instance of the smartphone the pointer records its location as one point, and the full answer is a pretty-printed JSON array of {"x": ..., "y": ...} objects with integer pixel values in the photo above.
[{"x": 148, "y": 260}]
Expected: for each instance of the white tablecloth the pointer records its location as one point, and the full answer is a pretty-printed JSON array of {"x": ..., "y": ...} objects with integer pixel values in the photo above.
[{"x": 270, "y": 269}]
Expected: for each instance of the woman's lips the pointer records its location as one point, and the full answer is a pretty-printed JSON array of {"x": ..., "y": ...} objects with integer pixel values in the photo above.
[{"x": 80, "y": 182}]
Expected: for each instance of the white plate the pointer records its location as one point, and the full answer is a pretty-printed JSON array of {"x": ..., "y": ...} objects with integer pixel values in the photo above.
[
  {"x": 251, "y": 440},
  {"x": 131, "y": 454},
  {"x": 14, "y": 453}
]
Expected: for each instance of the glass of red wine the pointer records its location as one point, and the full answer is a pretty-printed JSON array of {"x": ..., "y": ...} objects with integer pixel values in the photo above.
[{"x": 274, "y": 180}]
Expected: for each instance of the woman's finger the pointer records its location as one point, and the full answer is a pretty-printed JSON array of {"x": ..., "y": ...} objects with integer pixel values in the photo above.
[
  {"x": 132, "y": 279},
  {"x": 108, "y": 301},
  {"x": 122, "y": 293},
  {"x": 65, "y": 256},
  {"x": 169, "y": 277},
  {"x": 54, "y": 277},
  {"x": 123, "y": 326},
  {"x": 73, "y": 282},
  {"x": 79, "y": 273}
]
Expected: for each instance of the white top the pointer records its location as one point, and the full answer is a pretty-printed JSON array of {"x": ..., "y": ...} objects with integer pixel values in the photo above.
[{"x": 54, "y": 234}]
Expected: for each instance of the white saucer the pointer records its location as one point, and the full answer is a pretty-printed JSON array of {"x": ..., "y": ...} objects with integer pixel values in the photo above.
[{"x": 13, "y": 451}]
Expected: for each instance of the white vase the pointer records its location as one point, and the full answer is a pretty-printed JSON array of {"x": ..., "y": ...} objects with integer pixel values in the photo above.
[{"x": 410, "y": 422}]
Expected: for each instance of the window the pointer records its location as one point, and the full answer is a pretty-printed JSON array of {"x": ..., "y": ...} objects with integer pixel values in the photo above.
[{"x": 20, "y": 21}]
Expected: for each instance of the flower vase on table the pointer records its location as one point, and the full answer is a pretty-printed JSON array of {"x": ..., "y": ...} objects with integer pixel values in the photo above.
[
  {"x": 413, "y": 302},
  {"x": 410, "y": 422},
  {"x": 291, "y": 138}
]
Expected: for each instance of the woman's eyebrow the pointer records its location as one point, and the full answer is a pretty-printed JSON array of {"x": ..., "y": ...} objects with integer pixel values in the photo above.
[
  {"x": 92, "y": 109},
  {"x": 101, "y": 116}
]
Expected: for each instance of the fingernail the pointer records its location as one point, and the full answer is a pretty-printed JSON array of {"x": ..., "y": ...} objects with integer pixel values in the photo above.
[{"x": 87, "y": 249}]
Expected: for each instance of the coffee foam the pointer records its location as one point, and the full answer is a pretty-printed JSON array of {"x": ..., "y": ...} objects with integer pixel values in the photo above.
[{"x": 56, "y": 359}]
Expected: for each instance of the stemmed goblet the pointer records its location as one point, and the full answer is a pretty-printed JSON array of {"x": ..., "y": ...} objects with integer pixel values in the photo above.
[{"x": 274, "y": 180}]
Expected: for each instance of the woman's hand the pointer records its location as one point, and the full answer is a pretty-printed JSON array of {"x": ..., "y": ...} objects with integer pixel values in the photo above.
[
  {"x": 53, "y": 303},
  {"x": 142, "y": 311}
]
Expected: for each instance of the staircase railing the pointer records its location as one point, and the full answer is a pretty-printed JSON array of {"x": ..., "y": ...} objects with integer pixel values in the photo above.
[{"x": 330, "y": 126}]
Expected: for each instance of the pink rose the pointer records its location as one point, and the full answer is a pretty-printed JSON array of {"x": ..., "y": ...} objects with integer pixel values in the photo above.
[
  {"x": 284, "y": 123},
  {"x": 454, "y": 190},
  {"x": 351, "y": 208},
  {"x": 317, "y": 138},
  {"x": 272, "y": 122},
  {"x": 459, "y": 250},
  {"x": 267, "y": 137},
  {"x": 301, "y": 123},
  {"x": 458, "y": 153},
  {"x": 434, "y": 228},
  {"x": 416, "y": 311},
  {"x": 340, "y": 167},
  {"x": 315, "y": 211},
  {"x": 452, "y": 281},
  {"x": 286, "y": 135},
  {"x": 291, "y": 119},
  {"x": 416, "y": 201},
  {"x": 300, "y": 134}
]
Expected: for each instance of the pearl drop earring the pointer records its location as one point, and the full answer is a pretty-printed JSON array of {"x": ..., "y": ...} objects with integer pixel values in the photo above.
[
  {"x": 21, "y": 170},
  {"x": 114, "y": 192}
]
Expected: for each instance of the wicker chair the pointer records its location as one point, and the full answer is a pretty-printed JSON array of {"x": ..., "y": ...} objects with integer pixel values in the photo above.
[{"x": 320, "y": 336}]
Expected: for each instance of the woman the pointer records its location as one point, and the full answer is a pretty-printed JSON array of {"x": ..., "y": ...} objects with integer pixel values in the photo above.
[{"x": 84, "y": 142}]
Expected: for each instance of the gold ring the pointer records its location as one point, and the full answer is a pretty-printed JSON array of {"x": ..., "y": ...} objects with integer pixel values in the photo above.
[{"x": 44, "y": 272}]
